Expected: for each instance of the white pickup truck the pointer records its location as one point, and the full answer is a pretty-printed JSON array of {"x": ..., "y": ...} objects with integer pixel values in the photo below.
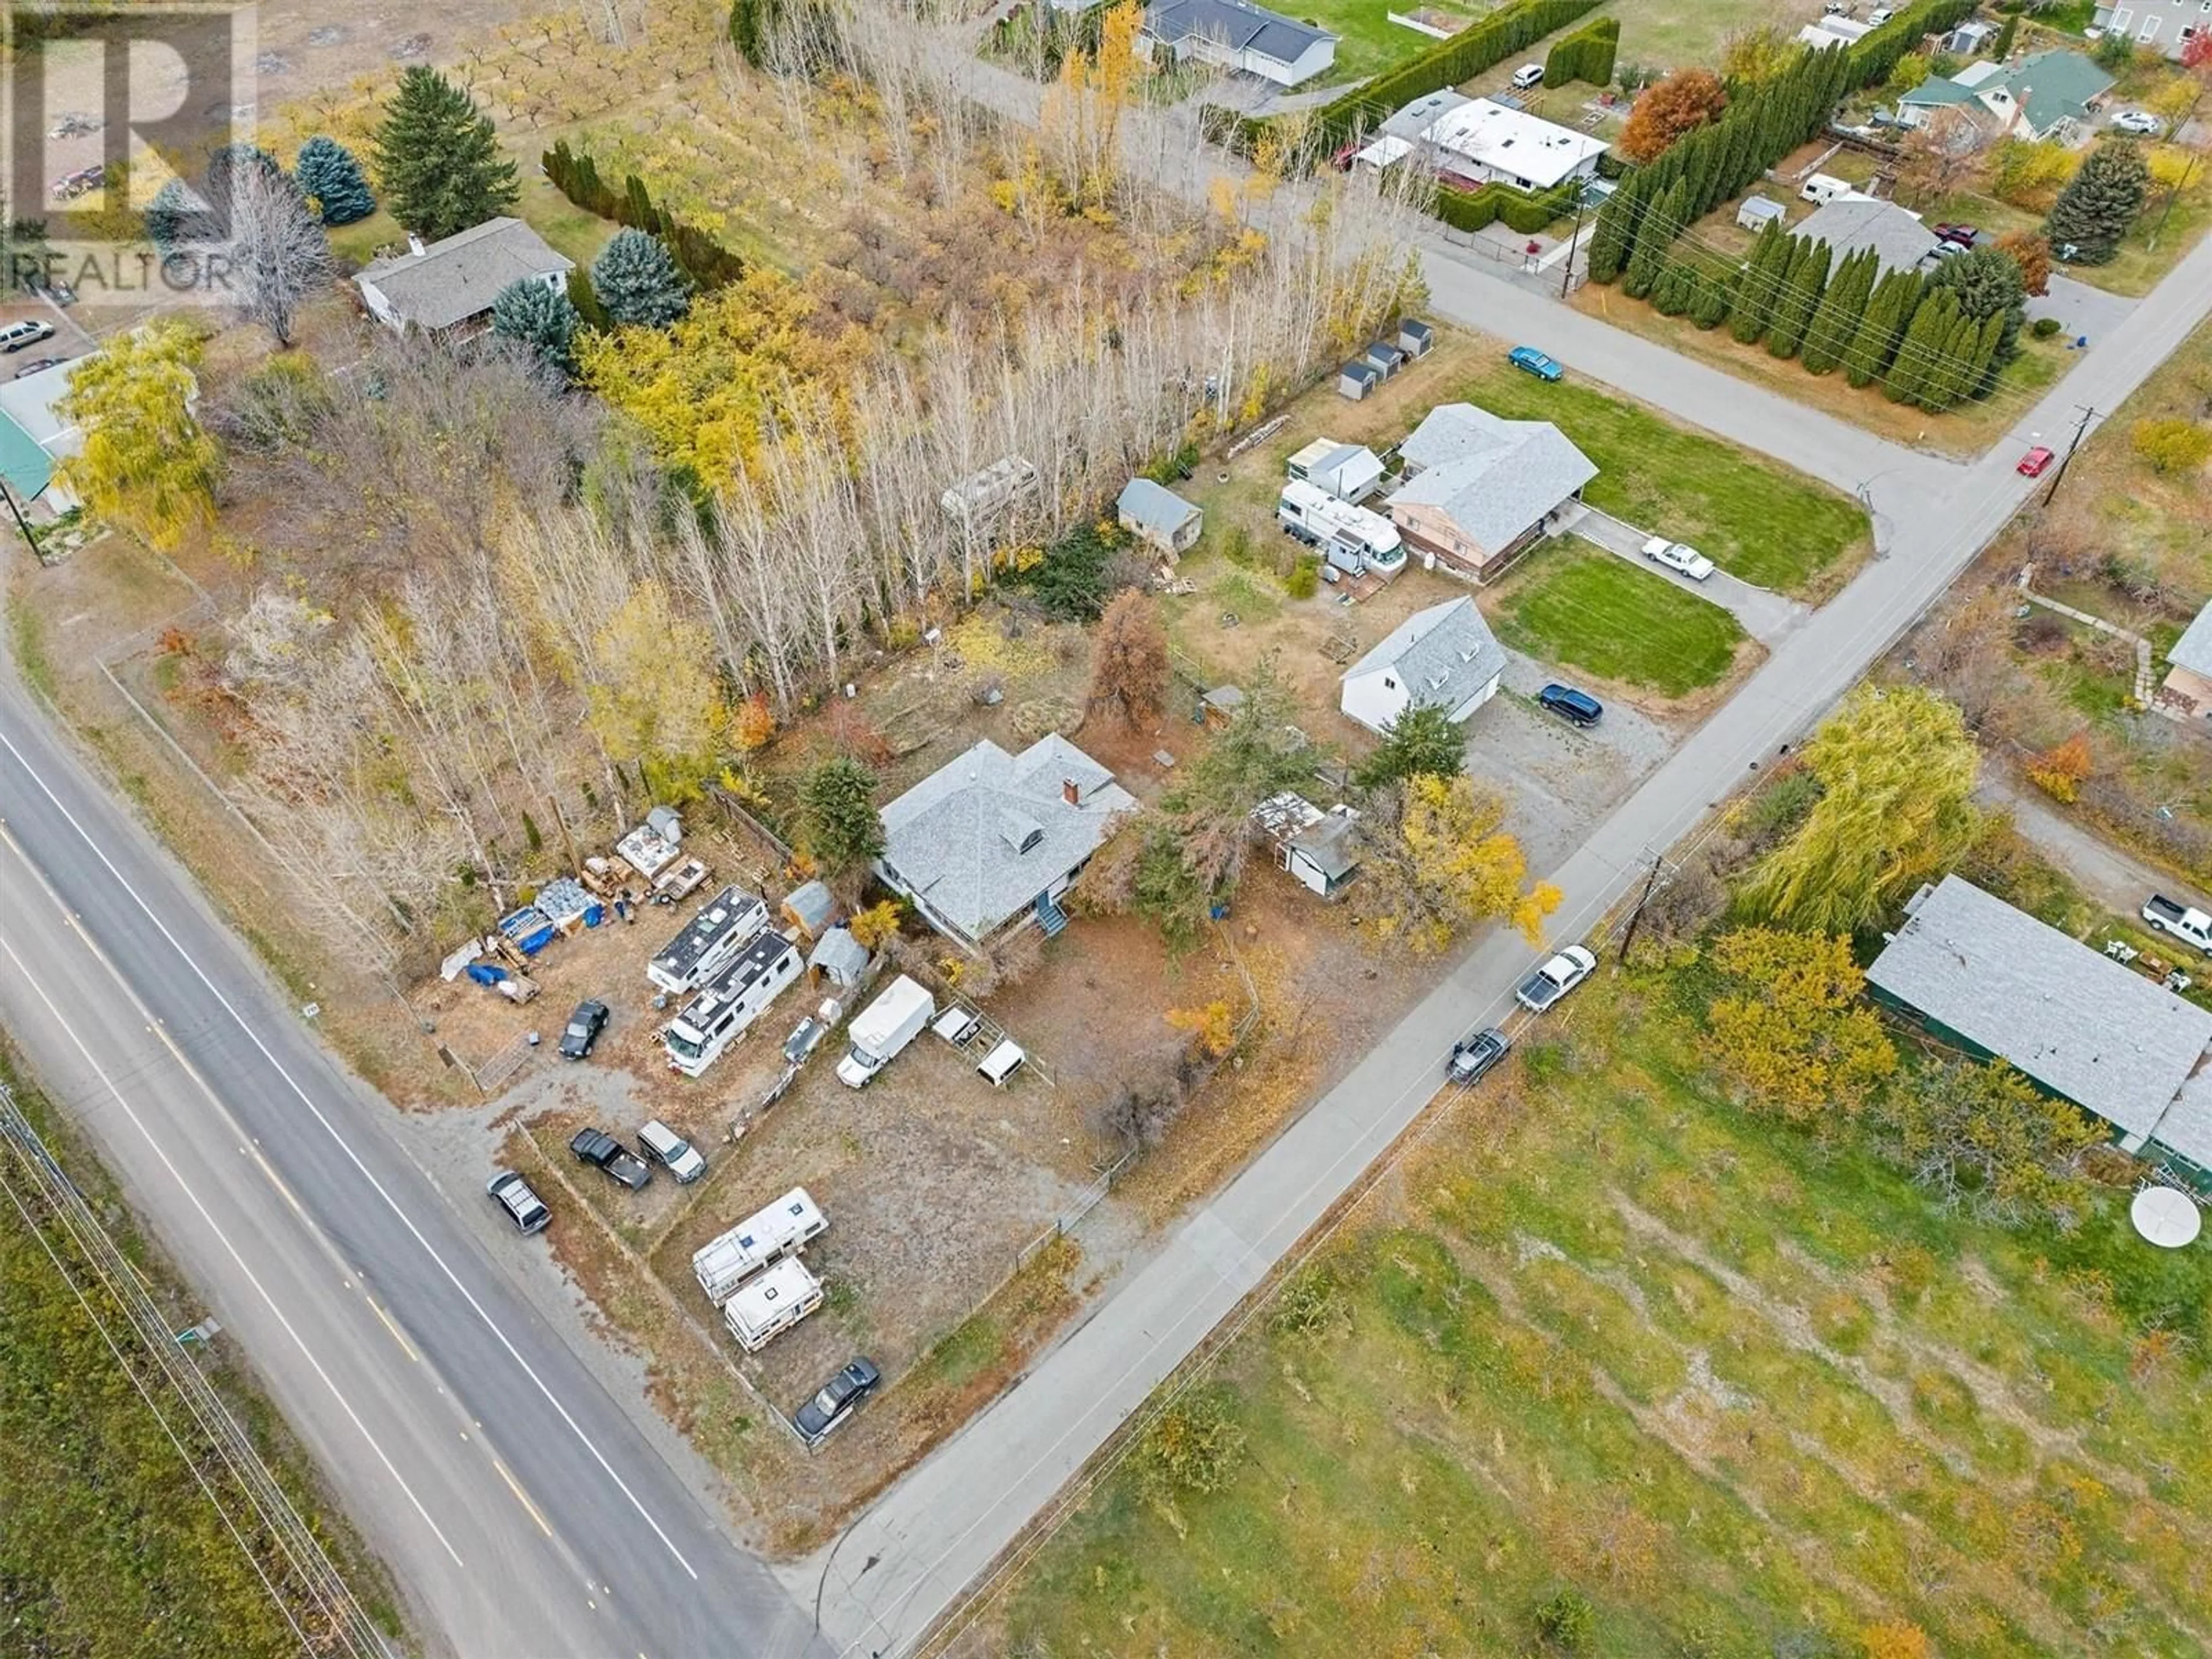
[{"x": 2191, "y": 927}]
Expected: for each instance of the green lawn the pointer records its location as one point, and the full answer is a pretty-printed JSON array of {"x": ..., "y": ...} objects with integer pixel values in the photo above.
[
  {"x": 1368, "y": 41},
  {"x": 1573, "y": 602},
  {"x": 566, "y": 227},
  {"x": 1745, "y": 1392},
  {"x": 1755, "y": 519}
]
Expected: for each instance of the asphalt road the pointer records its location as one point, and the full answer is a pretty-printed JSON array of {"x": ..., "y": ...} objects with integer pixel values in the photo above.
[
  {"x": 927, "y": 1541},
  {"x": 518, "y": 1507}
]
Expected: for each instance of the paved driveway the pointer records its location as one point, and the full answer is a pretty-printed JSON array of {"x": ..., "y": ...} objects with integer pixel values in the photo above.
[
  {"x": 1767, "y": 615},
  {"x": 2079, "y": 308}
]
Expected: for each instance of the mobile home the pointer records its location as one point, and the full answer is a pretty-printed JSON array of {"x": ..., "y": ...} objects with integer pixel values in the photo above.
[
  {"x": 1350, "y": 537},
  {"x": 783, "y": 1228},
  {"x": 772, "y": 1305},
  {"x": 709, "y": 942},
  {"x": 730, "y": 1002}
]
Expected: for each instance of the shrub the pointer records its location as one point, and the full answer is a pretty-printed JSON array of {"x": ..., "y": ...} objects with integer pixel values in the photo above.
[
  {"x": 2172, "y": 446},
  {"x": 707, "y": 264},
  {"x": 1586, "y": 54},
  {"x": 2043, "y": 327},
  {"x": 1567, "y": 1621},
  {"x": 1193, "y": 1446},
  {"x": 1304, "y": 579}
]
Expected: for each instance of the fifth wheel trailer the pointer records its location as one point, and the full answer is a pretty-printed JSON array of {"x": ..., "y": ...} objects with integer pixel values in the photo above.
[{"x": 783, "y": 1228}]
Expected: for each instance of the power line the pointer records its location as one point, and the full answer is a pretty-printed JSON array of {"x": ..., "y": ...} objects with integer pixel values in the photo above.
[
  {"x": 304, "y": 1586},
  {"x": 2089, "y": 412}
]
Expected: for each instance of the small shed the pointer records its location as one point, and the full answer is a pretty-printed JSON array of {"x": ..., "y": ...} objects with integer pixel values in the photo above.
[
  {"x": 1760, "y": 211},
  {"x": 1971, "y": 37},
  {"x": 1386, "y": 357},
  {"x": 1217, "y": 707},
  {"x": 1357, "y": 378},
  {"x": 1315, "y": 847},
  {"x": 810, "y": 908},
  {"x": 838, "y": 958},
  {"x": 1157, "y": 515},
  {"x": 1415, "y": 336}
]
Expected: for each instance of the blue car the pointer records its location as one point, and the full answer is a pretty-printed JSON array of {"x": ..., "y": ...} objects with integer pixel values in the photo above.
[
  {"x": 1530, "y": 360},
  {"x": 1576, "y": 708}
]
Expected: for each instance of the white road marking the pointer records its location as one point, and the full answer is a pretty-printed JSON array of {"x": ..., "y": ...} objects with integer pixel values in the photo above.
[
  {"x": 291, "y": 1083},
  {"x": 223, "y": 1239}
]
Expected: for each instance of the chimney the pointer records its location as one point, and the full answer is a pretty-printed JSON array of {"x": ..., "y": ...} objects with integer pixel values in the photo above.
[
  {"x": 1069, "y": 792},
  {"x": 414, "y": 245}
]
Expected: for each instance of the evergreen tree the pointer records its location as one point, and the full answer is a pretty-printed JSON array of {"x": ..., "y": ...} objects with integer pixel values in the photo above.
[
  {"x": 327, "y": 172},
  {"x": 1614, "y": 234},
  {"x": 1841, "y": 307},
  {"x": 2098, "y": 205},
  {"x": 2001, "y": 48},
  {"x": 1662, "y": 224},
  {"x": 1710, "y": 307},
  {"x": 1920, "y": 351},
  {"x": 1809, "y": 277},
  {"x": 437, "y": 159},
  {"x": 1758, "y": 283},
  {"x": 169, "y": 217},
  {"x": 531, "y": 314},
  {"x": 1867, "y": 355},
  {"x": 1988, "y": 283},
  {"x": 1677, "y": 287},
  {"x": 636, "y": 281},
  {"x": 589, "y": 312}
]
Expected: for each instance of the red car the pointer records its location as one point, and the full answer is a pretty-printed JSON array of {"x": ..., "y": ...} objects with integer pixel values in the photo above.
[{"x": 2033, "y": 464}]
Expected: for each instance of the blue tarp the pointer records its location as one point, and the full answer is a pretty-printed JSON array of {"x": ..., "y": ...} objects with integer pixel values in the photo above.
[{"x": 528, "y": 929}]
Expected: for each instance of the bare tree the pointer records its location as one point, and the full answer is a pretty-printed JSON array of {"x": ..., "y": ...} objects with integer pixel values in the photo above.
[{"x": 273, "y": 251}]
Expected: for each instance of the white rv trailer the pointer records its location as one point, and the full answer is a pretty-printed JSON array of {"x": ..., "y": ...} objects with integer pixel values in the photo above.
[
  {"x": 772, "y": 1305},
  {"x": 729, "y": 1003},
  {"x": 729, "y": 921},
  {"x": 783, "y": 1228},
  {"x": 1350, "y": 537}
]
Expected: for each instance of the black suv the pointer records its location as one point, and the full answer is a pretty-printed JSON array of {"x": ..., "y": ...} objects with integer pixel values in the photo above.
[
  {"x": 583, "y": 1030},
  {"x": 1569, "y": 704},
  {"x": 834, "y": 1405},
  {"x": 524, "y": 1207},
  {"x": 597, "y": 1147}
]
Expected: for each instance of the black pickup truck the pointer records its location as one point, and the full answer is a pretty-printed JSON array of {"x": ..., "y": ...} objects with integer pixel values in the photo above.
[{"x": 596, "y": 1146}]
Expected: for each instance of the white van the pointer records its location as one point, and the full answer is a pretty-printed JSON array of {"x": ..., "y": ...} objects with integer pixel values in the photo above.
[
  {"x": 772, "y": 1305},
  {"x": 1528, "y": 76}
]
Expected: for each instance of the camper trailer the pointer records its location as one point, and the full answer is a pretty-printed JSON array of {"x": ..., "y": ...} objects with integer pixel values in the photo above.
[
  {"x": 783, "y": 1228},
  {"x": 772, "y": 1305},
  {"x": 709, "y": 942},
  {"x": 729, "y": 1003},
  {"x": 1351, "y": 538}
]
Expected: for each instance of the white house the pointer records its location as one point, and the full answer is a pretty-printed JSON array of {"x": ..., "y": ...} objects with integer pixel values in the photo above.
[
  {"x": 1478, "y": 487},
  {"x": 1238, "y": 36},
  {"x": 990, "y": 842},
  {"x": 1346, "y": 470},
  {"x": 1445, "y": 655},
  {"x": 2169, "y": 25},
  {"x": 1834, "y": 31},
  {"x": 451, "y": 283},
  {"x": 1473, "y": 142}
]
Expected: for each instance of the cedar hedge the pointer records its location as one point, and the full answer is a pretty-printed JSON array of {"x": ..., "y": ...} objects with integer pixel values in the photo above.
[
  {"x": 1475, "y": 210},
  {"x": 1585, "y": 55},
  {"x": 698, "y": 255}
]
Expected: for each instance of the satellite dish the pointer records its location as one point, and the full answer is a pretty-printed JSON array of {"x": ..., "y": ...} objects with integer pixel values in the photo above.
[{"x": 2166, "y": 1216}]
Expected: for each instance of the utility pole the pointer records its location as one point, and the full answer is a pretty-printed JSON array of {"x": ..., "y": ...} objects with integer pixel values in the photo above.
[
  {"x": 1650, "y": 886},
  {"x": 2089, "y": 414},
  {"x": 1567, "y": 264},
  {"x": 2175, "y": 189},
  {"x": 29, "y": 540}
]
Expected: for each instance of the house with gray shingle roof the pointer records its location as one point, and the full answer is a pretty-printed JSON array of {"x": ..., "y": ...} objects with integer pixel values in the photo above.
[
  {"x": 2044, "y": 95},
  {"x": 1478, "y": 487},
  {"x": 1156, "y": 514},
  {"x": 1986, "y": 977},
  {"x": 1849, "y": 225},
  {"x": 990, "y": 842},
  {"x": 1238, "y": 36},
  {"x": 1445, "y": 655},
  {"x": 2188, "y": 683},
  {"x": 451, "y": 283}
]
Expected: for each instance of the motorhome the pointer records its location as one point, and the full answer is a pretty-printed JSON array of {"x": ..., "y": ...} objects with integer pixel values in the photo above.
[
  {"x": 783, "y": 1228},
  {"x": 730, "y": 921},
  {"x": 729, "y": 1003},
  {"x": 772, "y": 1305},
  {"x": 1351, "y": 538}
]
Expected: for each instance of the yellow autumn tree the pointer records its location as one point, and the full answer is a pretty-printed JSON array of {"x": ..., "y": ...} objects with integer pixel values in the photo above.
[
  {"x": 1081, "y": 117},
  {"x": 1434, "y": 859},
  {"x": 654, "y": 700},
  {"x": 1213, "y": 1028},
  {"x": 1790, "y": 1033},
  {"x": 877, "y": 924},
  {"x": 699, "y": 388},
  {"x": 1894, "y": 1638},
  {"x": 145, "y": 464}
]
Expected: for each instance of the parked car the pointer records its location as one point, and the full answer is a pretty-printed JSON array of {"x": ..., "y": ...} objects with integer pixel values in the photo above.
[
  {"x": 1679, "y": 556},
  {"x": 1963, "y": 236},
  {"x": 834, "y": 1404},
  {"x": 1880, "y": 15},
  {"x": 1528, "y": 76},
  {"x": 2141, "y": 122},
  {"x": 1569, "y": 704},
  {"x": 1555, "y": 979},
  {"x": 672, "y": 1151},
  {"x": 2033, "y": 464},
  {"x": 602, "y": 1151},
  {"x": 1533, "y": 361},
  {"x": 1472, "y": 1057},
  {"x": 38, "y": 366},
  {"x": 583, "y": 1031},
  {"x": 28, "y": 332},
  {"x": 524, "y": 1207}
]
